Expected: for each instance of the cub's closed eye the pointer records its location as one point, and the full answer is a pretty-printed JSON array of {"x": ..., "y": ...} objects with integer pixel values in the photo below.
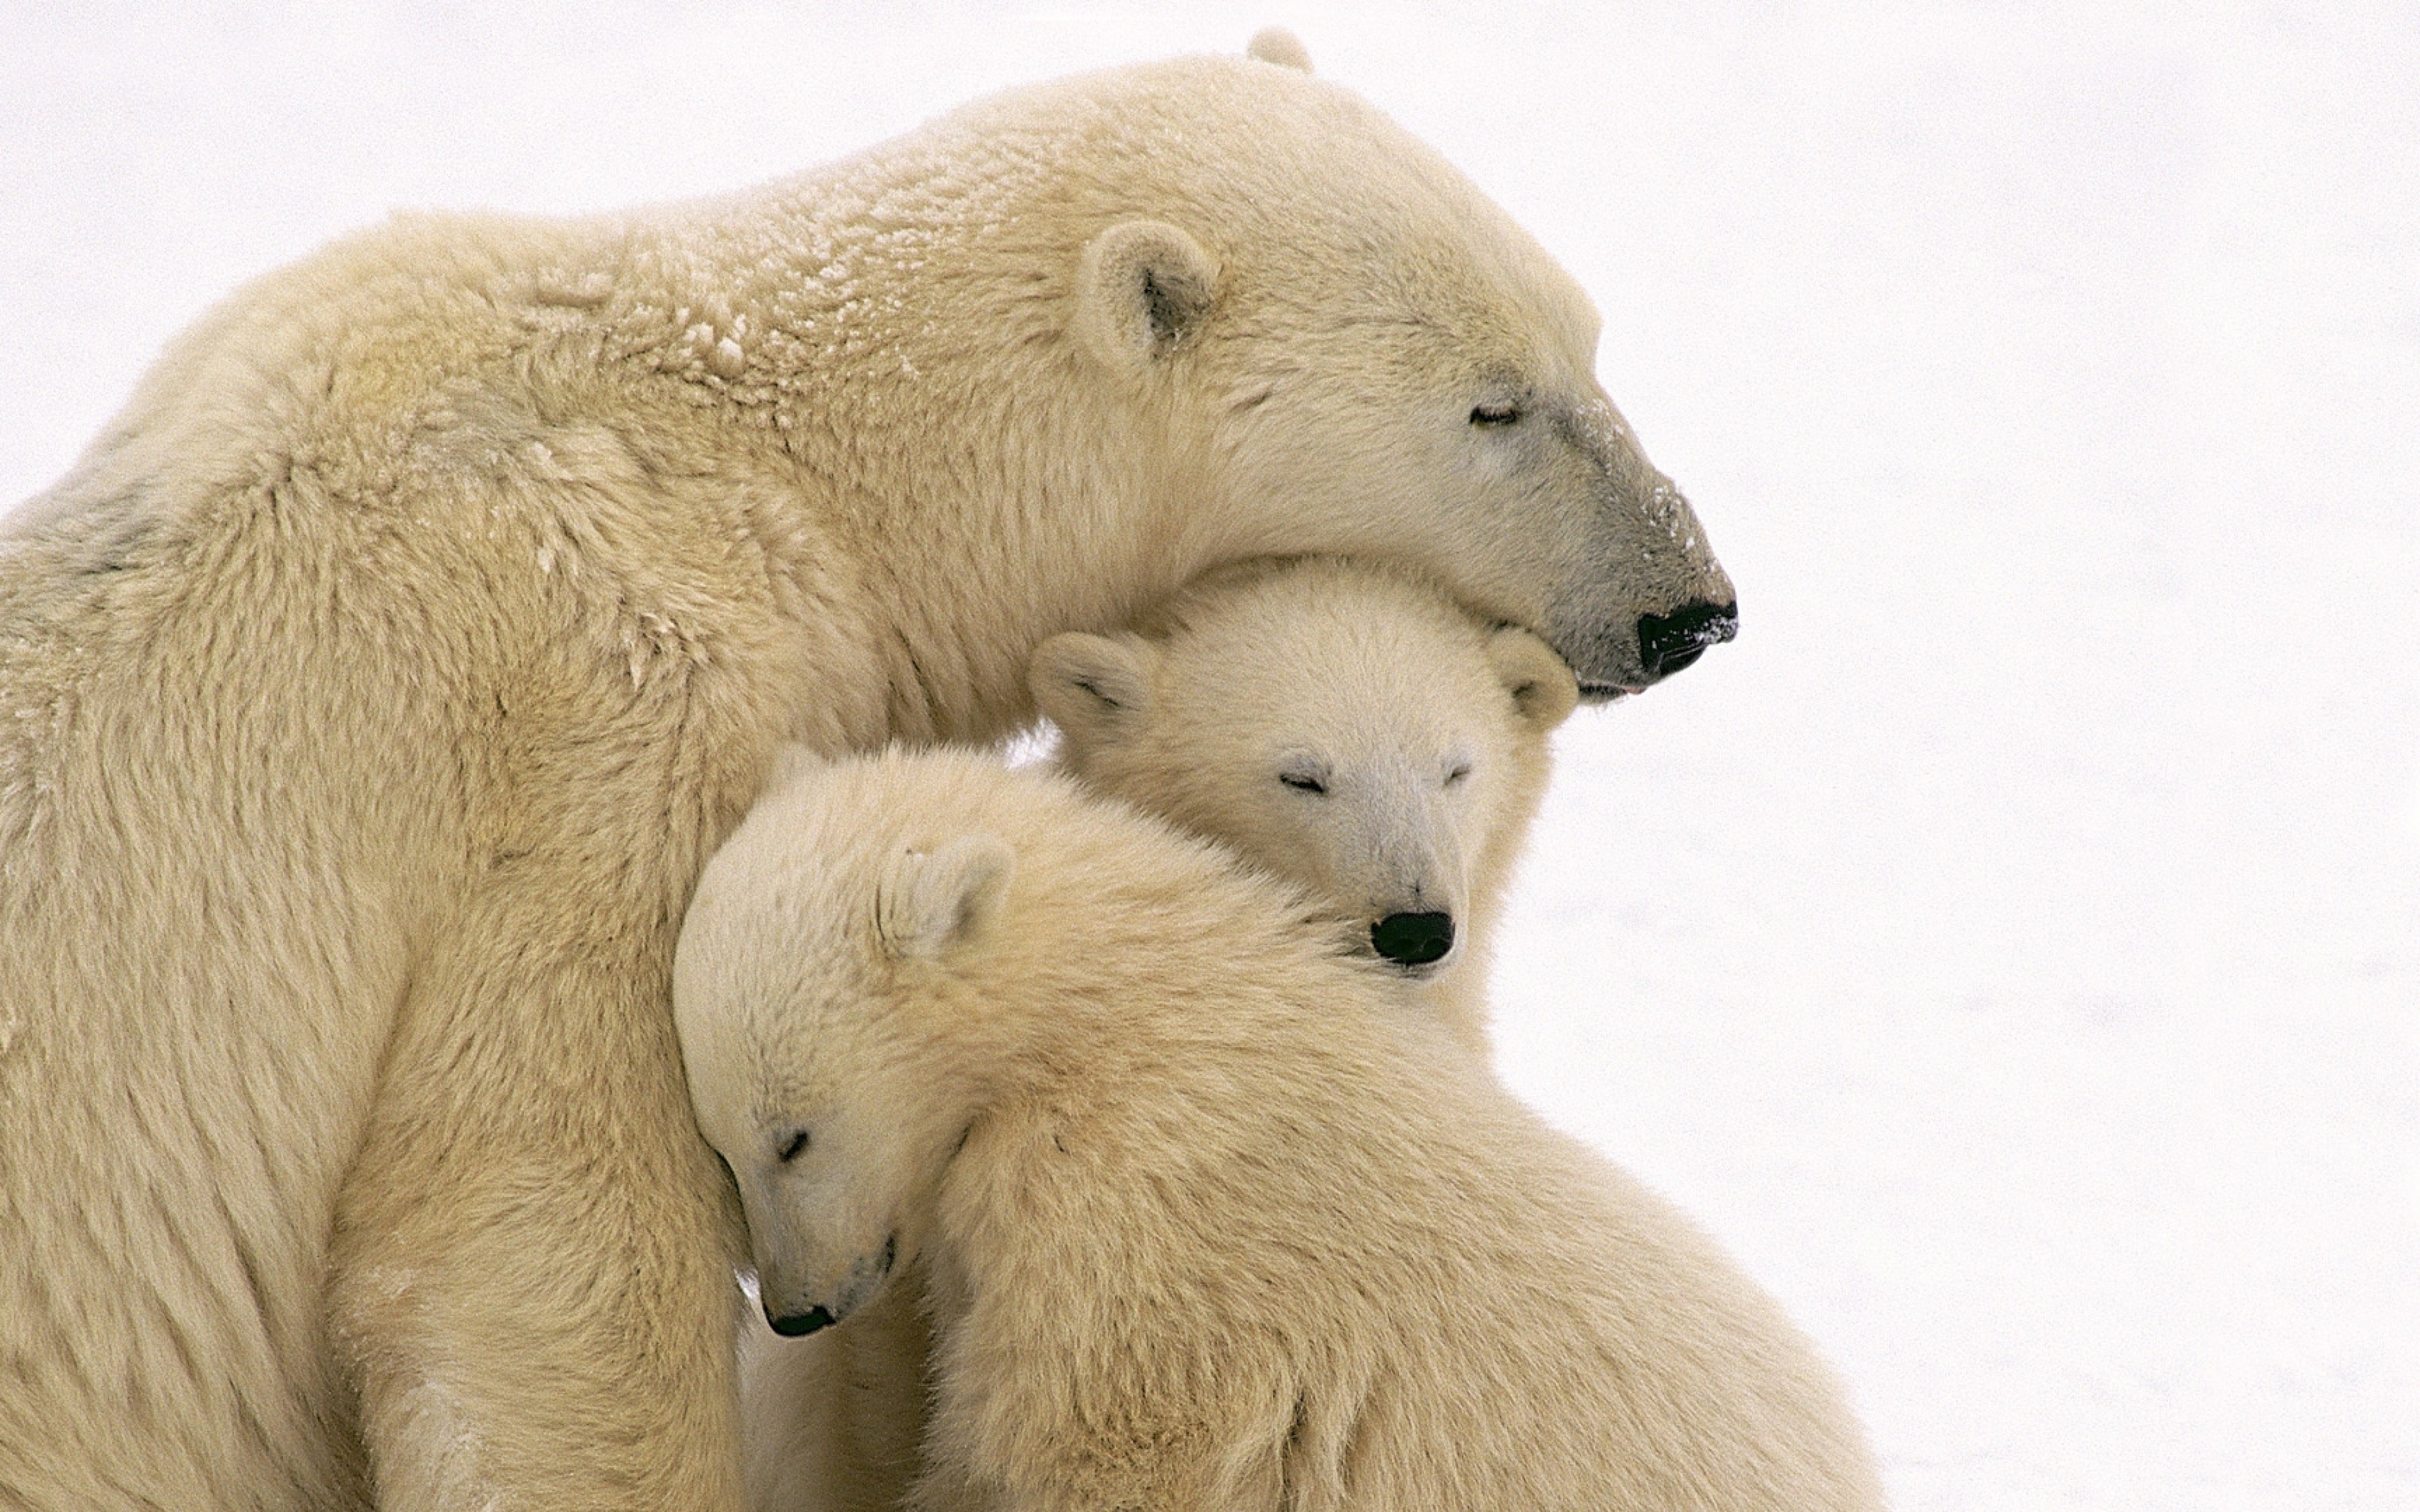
[
  {"x": 1494, "y": 414},
  {"x": 793, "y": 1147},
  {"x": 1457, "y": 774},
  {"x": 1302, "y": 782}
]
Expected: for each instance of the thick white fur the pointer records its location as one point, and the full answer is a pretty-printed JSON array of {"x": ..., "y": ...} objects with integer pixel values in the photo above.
[
  {"x": 1424, "y": 729},
  {"x": 373, "y": 687},
  {"x": 1368, "y": 673},
  {"x": 1206, "y": 1219}
]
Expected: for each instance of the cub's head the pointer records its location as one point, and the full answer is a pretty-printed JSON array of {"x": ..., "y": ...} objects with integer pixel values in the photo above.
[
  {"x": 1344, "y": 726},
  {"x": 812, "y": 990}
]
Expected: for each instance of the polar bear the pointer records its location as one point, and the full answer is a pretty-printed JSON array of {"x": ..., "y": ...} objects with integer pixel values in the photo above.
[
  {"x": 1342, "y": 723},
  {"x": 1203, "y": 1218},
  {"x": 373, "y": 688}
]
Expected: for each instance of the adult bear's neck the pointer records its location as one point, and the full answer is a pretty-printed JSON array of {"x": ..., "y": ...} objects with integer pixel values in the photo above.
[{"x": 898, "y": 360}]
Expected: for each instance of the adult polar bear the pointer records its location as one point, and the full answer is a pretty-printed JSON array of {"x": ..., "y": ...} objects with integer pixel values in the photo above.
[{"x": 375, "y": 686}]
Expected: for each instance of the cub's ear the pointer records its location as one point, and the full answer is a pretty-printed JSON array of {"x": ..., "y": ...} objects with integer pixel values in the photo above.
[
  {"x": 1274, "y": 44},
  {"x": 931, "y": 906},
  {"x": 1543, "y": 688},
  {"x": 1093, "y": 686},
  {"x": 1143, "y": 288}
]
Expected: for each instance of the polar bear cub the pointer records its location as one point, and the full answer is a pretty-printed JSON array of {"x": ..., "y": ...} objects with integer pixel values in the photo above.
[
  {"x": 1203, "y": 1218},
  {"x": 1342, "y": 723}
]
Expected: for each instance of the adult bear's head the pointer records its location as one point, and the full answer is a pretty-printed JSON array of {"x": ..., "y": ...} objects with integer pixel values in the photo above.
[{"x": 1355, "y": 352}]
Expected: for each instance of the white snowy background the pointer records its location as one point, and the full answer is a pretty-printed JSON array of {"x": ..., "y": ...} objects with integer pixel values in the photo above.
[{"x": 2010, "y": 947}]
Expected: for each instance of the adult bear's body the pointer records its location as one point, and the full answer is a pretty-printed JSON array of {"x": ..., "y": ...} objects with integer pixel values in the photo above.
[{"x": 374, "y": 688}]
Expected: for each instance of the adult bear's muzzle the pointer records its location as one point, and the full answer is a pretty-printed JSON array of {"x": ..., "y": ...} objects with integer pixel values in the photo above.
[{"x": 1668, "y": 642}]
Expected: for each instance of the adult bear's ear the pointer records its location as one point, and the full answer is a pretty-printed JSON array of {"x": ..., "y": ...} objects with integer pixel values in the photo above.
[
  {"x": 1143, "y": 289},
  {"x": 1093, "y": 686},
  {"x": 1541, "y": 686},
  {"x": 931, "y": 906},
  {"x": 1274, "y": 44}
]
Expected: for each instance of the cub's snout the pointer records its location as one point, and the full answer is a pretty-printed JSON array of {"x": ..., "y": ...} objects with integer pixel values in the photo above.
[{"x": 1413, "y": 939}]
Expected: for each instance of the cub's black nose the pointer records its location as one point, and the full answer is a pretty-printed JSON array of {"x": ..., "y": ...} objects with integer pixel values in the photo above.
[
  {"x": 1413, "y": 939},
  {"x": 794, "y": 1325},
  {"x": 1668, "y": 642}
]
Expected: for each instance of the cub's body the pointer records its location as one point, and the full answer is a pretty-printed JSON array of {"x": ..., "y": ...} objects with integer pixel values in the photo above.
[{"x": 1204, "y": 1217}]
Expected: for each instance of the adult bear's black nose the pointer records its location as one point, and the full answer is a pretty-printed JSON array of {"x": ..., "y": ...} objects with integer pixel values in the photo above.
[
  {"x": 1413, "y": 939},
  {"x": 1668, "y": 642},
  {"x": 792, "y": 1325}
]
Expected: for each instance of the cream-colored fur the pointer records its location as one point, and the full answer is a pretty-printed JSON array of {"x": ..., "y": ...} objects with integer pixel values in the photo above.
[
  {"x": 372, "y": 690},
  {"x": 1367, "y": 675},
  {"x": 1204, "y": 1218},
  {"x": 1343, "y": 724},
  {"x": 834, "y": 1422}
]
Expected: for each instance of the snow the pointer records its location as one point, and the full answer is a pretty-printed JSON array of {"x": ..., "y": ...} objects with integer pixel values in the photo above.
[{"x": 2009, "y": 945}]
